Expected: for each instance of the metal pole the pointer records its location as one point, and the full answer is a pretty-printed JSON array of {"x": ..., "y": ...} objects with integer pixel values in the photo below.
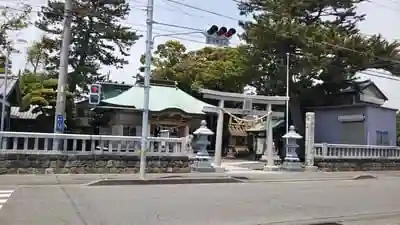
[
  {"x": 3, "y": 105},
  {"x": 62, "y": 77},
  {"x": 287, "y": 93},
  {"x": 145, "y": 117}
]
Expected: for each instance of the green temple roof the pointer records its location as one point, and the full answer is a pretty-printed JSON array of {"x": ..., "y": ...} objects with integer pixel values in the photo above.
[
  {"x": 161, "y": 98},
  {"x": 110, "y": 90}
]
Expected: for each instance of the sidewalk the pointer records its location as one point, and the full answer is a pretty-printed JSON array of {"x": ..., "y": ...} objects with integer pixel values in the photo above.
[{"x": 261, "y": 176}]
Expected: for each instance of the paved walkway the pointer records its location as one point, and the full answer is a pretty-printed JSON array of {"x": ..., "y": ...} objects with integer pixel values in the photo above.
[{"x": 244, "y": 166}]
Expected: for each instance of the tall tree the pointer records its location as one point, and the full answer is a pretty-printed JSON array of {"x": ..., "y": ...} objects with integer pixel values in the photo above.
[
  {"x": 213, "y": 68},
  {"x": 12, "y": 20},
  {"x": 324, "y": 44},
  {"x": 97, "y": 33},
  {"x": 36, "y": 56}
]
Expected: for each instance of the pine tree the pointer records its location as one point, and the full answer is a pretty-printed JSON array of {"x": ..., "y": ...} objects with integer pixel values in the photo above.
[
  {"x": 99, "y": 37},
  {"x": 324, "y": 44}
]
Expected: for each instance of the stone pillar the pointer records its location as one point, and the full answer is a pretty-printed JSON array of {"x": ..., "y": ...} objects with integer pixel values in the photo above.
[
  {"x": 219, "y": 135},
  {"x": 309, "y": 142},
  {"x": 269, "y": 141}
]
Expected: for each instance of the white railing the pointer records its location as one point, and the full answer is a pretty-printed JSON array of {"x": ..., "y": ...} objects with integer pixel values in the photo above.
[
  {"x": 49, "y": 143},
  {"x": 345, "y": 151}
]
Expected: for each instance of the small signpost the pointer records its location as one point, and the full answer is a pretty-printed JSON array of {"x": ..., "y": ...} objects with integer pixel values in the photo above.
[{"x": 60, "y": 123}]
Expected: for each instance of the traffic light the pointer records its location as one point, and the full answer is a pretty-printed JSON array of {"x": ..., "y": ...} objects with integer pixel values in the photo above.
[
  {"x": 95, "y": 94},
  {"x": 222, "y": 31},
  {"x": 230, "y": 33},
  {"x": 219, "y": 36},
  {"x": 212, "y": 30}
]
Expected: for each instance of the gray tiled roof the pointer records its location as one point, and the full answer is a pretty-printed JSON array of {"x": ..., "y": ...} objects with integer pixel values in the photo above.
[
  {"x": 11, "y": 82},
  {"x": 28, "y": 115},
  {"x": 387, "y": 83}
]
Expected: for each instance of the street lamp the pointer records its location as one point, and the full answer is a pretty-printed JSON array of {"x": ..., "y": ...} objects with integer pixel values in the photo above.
[{"x": 6, "y": 71}]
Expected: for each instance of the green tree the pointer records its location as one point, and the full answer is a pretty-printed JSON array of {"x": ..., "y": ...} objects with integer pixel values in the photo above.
[
  {"x": 12, "y": 20},
  {"x": 37, "y": 56},
  {"x": 213, "y": 68},
  {"x": 40, "y": 92},
  {"x": 323, "y": 42},
  {"x": 97, "y": 33}
]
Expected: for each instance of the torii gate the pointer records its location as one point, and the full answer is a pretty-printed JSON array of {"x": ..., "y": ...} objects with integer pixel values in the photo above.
[{"x": 237, "y": 97}]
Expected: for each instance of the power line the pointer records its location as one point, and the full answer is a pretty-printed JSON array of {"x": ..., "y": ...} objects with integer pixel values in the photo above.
[
  {"x": 181, "y": 10},
  {"x": 203, "y": 10},
  {"x": 178, "y": 26},
  {"x": 174, "y": 37},
  {"x": 313, "y": 41},
  {"x": 228, "y": 17},
  {"x": 130, "y": 24}
]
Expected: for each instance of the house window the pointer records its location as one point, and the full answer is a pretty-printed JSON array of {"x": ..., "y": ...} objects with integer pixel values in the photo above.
[{"x": 382, "y": 138}]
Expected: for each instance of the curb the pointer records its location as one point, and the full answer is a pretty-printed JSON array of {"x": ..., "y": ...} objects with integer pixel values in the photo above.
[
  {"x": 109, "y": 182},
  {"x": 215, "y": 180},
  {"x": 357, "y": 177},
  {"x": 364, "y": 177}
]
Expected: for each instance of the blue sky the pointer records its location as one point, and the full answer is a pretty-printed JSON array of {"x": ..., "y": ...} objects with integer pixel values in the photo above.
[{"x": 381, "y": 18}]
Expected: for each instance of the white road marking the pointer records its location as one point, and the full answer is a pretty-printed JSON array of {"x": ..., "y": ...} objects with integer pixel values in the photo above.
[{"x": 4, "y": 196}]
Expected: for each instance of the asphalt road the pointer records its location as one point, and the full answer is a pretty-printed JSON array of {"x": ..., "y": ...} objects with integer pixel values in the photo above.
[{"x": 361, "y": 202}]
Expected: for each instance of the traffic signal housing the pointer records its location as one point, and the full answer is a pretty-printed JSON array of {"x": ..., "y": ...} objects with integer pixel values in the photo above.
[
  {"x": 95, "y": 94},
  {"x": 212, "y": 30},
  {"x": 219, "y": 35},
  {"x": 230, "y": 33},
  {"x": 222, "y": 31}
]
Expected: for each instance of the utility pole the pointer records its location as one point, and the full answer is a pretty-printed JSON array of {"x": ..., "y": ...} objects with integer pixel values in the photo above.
[
  {"x": 3, "y": 105},
  {"x": 147, "y": 74},
  {"x": 287, "y": 92},
  {"x": 62, "y": 76}
]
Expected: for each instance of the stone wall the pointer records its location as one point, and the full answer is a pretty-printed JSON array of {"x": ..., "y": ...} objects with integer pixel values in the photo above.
[
  {"x": 358, "y": 164},
  {"x": 79, "y": 164}
]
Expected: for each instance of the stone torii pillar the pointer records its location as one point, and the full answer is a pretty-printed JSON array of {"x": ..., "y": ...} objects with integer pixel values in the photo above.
[
  {"x": 237, "y": 97},
  {"x": 219, "y": 135}
]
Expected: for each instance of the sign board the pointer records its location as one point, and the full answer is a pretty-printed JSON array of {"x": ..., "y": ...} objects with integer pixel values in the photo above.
[
  {"x": 60, "y": 123},
  {"x": 352, "y": 118}
]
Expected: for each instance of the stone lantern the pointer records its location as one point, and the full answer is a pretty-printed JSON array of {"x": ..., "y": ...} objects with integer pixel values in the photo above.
[
  {"x": 202, "y": 160},
  {"x": 292, "y": 161}
]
